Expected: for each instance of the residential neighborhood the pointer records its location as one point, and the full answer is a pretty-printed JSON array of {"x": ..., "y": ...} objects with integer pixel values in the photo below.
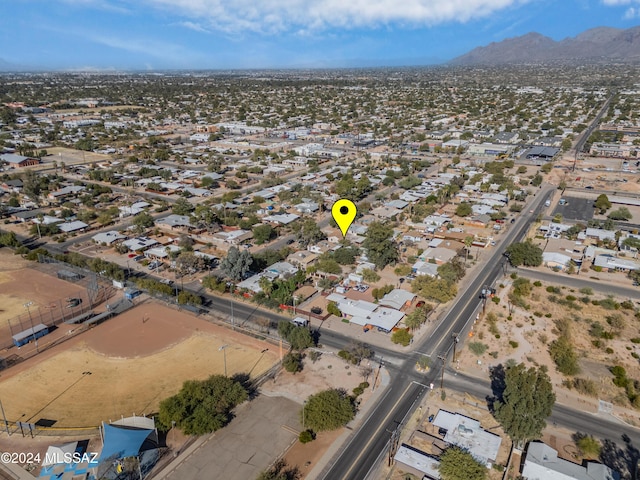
[{"x": 483, "y": 211}]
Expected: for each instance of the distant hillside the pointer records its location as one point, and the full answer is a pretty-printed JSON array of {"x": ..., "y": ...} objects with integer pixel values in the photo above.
[{"x": 597, "y": 45}]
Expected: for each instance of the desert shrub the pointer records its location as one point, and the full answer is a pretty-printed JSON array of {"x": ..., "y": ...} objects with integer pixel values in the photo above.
[
  {"x": 598, "y": 343},
  {"x": 495, "y": 300},
  {"x": 635, "y": 340},
  {"x": 609, "y": 350},
  {"x": 358, "y": 391},
  {"x": 513, "y": 344},
  {"x": 619, "y": 376},
  {"x": 364, "y": 385},
  {"x": 494, "y": 354},
  {"x": 306, "y": 436},
  {"x": 548, "y": 315},
  {"x": 627, "y": 305},
  {"x": 292, "y": 362},
  {"x": 537, "y": 283},
  {"x": 478, "y": 347},
  {"x": 564, "y": 355},
  {"x": 571, "y": 298},
  {"x": 497, "y": 335},
  {"x": 585, "y": 386},
  {"x": 552, "y": 289},
  {"x": 537, "y": 314},
  {"x": 543, "y": 338},
  {"x": 609, "y": 304},
  {"x": 586, "y": 291},
  {"x": 585, "y": 300}
]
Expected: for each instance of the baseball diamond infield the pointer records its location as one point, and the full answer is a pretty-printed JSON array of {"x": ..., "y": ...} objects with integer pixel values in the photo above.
[{"x": 125, "y": 366}]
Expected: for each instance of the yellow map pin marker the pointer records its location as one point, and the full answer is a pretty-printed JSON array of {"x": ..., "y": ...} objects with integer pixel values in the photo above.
[{"x": 344, "y": 212}]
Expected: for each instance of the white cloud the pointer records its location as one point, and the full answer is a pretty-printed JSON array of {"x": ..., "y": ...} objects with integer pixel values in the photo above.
[
  {"x": 615, "y": 3},
  {"x": 193, "y": 26},
  {"x": 632, "y": 13},
  {"x": 272, "y": 16}
]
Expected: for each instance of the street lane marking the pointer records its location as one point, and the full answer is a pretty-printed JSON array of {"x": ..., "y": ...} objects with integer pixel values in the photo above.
[{"x": 375, "y": 434}]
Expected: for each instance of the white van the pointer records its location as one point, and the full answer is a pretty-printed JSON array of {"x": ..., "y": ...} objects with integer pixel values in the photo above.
[
  {"x": 547, "y": 203},
  {"x": 301, "y": 322}
]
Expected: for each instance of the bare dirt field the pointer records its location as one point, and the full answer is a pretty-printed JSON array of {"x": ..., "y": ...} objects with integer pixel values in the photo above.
[
  {"x": 20, "y": 284},
  {"x": 600, "y": 336},
  {"x": 126, "y": 365}
]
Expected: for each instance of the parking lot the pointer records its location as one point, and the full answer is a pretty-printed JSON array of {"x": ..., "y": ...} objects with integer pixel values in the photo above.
[{"x": 579, "y": 209}]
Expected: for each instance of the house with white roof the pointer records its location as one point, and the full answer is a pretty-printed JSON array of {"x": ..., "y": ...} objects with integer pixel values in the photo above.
[
  {"x": 397, "y": 299},
  {"x": 363, "y": 313},
  {"x": 108, "y": 238},
  {"x": 139, "y": 243},
  {"x": 74, "y": 226},
  {"x": 467, "y": 433},
  {"x": 541, "y": 462},
  {"x": 413, "y": 461},
  {"x": 556, "y": 260},
  {"x": 609, "y": 263}
]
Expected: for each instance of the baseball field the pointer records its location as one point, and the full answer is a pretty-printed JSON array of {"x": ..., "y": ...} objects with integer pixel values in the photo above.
[{"x": 126, "y": 366}]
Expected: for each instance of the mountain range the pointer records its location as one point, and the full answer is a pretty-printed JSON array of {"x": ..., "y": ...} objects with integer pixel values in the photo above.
[{"x": 597, "y": 45}]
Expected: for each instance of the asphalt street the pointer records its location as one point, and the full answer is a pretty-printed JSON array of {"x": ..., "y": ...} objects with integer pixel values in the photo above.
[
  {"x": 580, "y": 281},
  {"x": 368, "y": 445}
]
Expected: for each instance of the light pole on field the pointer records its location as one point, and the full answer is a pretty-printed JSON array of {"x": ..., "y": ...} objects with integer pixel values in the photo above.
[
  {"x": 33, "y": 331},
  {"x": 224, "y": 354}
]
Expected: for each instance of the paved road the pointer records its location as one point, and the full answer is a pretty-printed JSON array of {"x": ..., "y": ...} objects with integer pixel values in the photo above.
[
  {"x": 598, "y": 424},
  {"x": 580, "y": 281},
  {"x": 589, "y": 130},
  {"x": 368, "y": 444}
]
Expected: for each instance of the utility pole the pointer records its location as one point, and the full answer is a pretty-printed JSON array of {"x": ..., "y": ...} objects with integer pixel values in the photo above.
[
  {"x": 444, "y": 363},
  {"x": 455, "y": 343},
  {"x": 4, "y": 418}
]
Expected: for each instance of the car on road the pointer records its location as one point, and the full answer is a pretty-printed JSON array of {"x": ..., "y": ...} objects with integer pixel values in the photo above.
[
  {"x": 132, "y": 255},
  {"x": 589, "y": 187},
  {"x": 290, "y": 241},
  {"x": 513, "y": 220},
  {"x": 153, "y": 265},
  {"x": 562, "y": 202}
]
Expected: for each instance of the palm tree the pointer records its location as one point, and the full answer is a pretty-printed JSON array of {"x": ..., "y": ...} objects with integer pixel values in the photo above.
[{"x": 468, "y": 241}]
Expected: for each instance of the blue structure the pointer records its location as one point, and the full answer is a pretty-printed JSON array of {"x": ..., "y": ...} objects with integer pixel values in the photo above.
[{"x": 33, "y": 333}]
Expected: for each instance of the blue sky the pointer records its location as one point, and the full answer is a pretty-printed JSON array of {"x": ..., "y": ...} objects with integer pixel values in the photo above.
[{"x": 223, "y": 34}]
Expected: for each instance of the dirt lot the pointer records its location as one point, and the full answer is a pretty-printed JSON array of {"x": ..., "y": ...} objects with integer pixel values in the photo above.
[
  {"x": 20, "y": 284},
  {"x": 126, "y": 365},
  {"x": 329, "y": 371},
  {"x": 527, "y": 335}
]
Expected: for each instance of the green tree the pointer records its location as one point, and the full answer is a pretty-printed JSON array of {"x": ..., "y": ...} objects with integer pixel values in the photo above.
[
  {"x": 588, "y": 446},
  {"x": 436, "y": 289},
  {"x": 602, "y": 203},
  {"x": 186, "y": 297},
  {"x": 621, "y": 213},
  {"x": 182, "y": 207},
  {"x": 464, "y": 209},
  {"x": 297, "y": 336},
  {"x": 416, "y": 318},
  {"x": 202, "y": 407},
  {"x": 525, "y": 403},
  {"x": 459, "y": 464},
  {"x": 310, "y": 233},
  {"x": 370, "y": 276},
  {"x": 263, "y": 234},
  {"x": 524, "y": 253},
  {"x": 402, "y": 337},
  {"x": 142, "y": 221},
  {"x": 236, "y": 264},
  {"x": 379, "y": 244},
  {"x": 292, "y": 362},
  {"x": 345, "y": 255},
  {"x": 332, "y": 308},
  {"x": 329, "y": 410}
]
